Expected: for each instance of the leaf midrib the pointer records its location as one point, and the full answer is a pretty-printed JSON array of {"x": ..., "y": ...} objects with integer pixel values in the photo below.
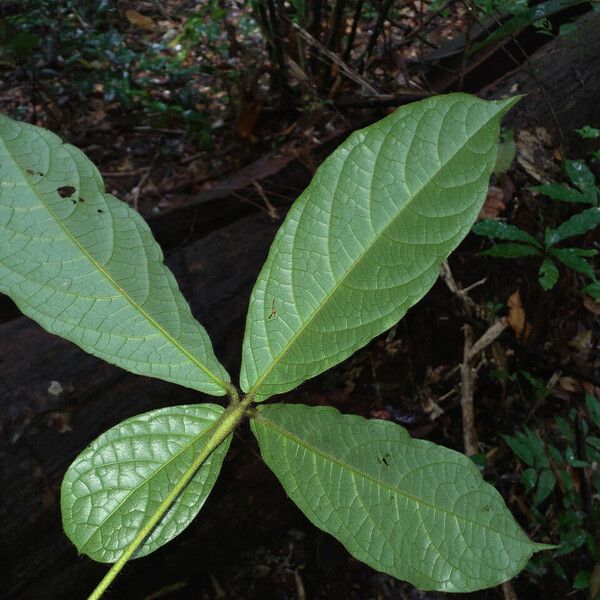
[
  {"x": 256, "y": 387},
  {"x": 334, "y": 459},
  {"x": 135, "y": 305}
]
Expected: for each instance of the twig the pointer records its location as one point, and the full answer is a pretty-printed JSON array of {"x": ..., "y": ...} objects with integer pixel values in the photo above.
[
  {"x": 487, "y": 338},
  {"x": 350, "y": 73},
  {"x": 280, "y": 74},
  {"x": 415, "y": 32},
  {"x": 382, "y": 16},
  {"x": 448, "y": 277},
  {"x": 336, "y": 28},
  {"x": 352, "y": 34},
  {"x": 467, "y": 385},
  {"x": 137, "y": 190},
  {"x": 271, "y": 210},
  {"x": 508, "y": 591}
]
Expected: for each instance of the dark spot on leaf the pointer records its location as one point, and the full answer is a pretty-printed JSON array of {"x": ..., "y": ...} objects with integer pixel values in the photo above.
[
  {"x": 30, "y": 172},
  {"x": 65, "y": 191},
  {"x": 81, "y": 199},
  {"x": 100, "y": 210},
  {"x": 384, "y": 459},
  {"x": 74, "y": 201}
]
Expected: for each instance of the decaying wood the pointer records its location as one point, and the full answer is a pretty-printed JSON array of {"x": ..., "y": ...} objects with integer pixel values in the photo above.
[{"x": 565, "y": 81}]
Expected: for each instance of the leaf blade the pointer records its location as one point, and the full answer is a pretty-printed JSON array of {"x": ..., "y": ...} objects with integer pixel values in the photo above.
[
  {"x": 113, "y": 486},
  {"x": 548, "y": 274},
  {"x": 501, "y": 230},
  {"x": 344, "y": 471},
  {"x": 511, "y": 250},
  {"x": 365, "y": 240},
  {"x": 86, "y": 267},
  {"x": 578, "y": 224}
]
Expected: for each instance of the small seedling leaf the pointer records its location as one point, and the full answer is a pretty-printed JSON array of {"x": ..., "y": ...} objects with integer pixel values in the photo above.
[
  {"x": 500, "y": 230},
  {"x": 563, "y": 193},
  {"x": 548, "y": 275},
  {"x": 579, "y": 174},
  {"x": 511, "y": 250},
  {"x": 575, "y": 259},
  {"x": 576, "y": 225}
]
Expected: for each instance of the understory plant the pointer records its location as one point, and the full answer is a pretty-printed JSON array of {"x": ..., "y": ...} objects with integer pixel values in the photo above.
[
  {"x": 517, "y": 243},
  {"x": 560, "y": 475},
  {"x": 361, "y": 245}
]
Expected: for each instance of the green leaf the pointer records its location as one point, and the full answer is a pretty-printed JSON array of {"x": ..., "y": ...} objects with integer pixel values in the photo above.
[
  {"x": 366, "y": 239},
  {"x": 563, "y": 193},
  {"x": 593, "y": 408},
  {"x": 511, "y": 250},
  {"x": 593, "y": 290},
  {"x": 529, "y": 478},
  {"x": 580, "y": 174},
  {"x": 86, "y": 267},
  {"x": 574, "y": 258},
  {"x": 576, "y": 225},
  {"x": 548, "y": 275},
  {"x": 545, "y": 486},
  {"x": 119, "y": 481},
  {"x": 410, "y": 508},
  {"x": 506, "y": 153},
  {"x": 587, "y": 132},
  {"x": 500, "y": 230}
]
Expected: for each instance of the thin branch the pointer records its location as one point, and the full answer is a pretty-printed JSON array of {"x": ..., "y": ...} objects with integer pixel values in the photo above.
[
  {"x": 383, "y": 13},
  {"x": 334, "y": 58},
  {"x": 352, "y": 34}
]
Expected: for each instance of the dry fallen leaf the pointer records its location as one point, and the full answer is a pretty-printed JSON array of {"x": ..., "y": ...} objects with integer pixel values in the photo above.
[
  {"x": 570, "y": 384},
  {"x": 494, "y": 203},
  {"x": 139, "y": 20},
  {"x": 582, "y": 341},
  {"x": 591, "y": 305},
  {"x": 247, "y": 119},
  {"x": 516, "y": 314}
]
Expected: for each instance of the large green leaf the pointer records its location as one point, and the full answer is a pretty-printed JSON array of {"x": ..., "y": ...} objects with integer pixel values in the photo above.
[
  {"x": 116, "y": 484},
  {"x": 410, "y": 508},
  {"x": 365, "y": 240},
  {"x": 86, "y": 267}
]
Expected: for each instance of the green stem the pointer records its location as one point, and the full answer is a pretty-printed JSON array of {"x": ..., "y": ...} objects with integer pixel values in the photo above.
[{"x": 233, "y": 414}]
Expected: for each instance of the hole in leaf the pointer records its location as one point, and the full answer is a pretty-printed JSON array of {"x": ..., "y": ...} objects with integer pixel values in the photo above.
[{"x": 65, "y": 191}]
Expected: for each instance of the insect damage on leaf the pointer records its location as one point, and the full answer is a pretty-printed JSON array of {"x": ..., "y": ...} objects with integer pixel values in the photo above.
[{"x": 65, "y": 191}]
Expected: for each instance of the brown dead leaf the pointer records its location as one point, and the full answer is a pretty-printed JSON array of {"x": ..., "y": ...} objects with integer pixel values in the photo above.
[
  {"x": 516, "y": 314},
  {"x": 582, "y": 341},
  {"x": 139, "y": 20},
  {"x": 247, "y": 119},
  {"x": 570, "y": 384},
  {"x": 591, "y": 305},
  {"x": 494, "y": 203}
]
